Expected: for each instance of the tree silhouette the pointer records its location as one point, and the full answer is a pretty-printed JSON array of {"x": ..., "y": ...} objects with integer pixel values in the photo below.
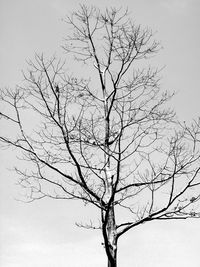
[{"x": 107, "y": 139}]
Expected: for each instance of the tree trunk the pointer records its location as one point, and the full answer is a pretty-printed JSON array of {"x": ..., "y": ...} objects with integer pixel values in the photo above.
[
  {"x": 112, "y": 240},
  {"x": 113, "y": 262}
]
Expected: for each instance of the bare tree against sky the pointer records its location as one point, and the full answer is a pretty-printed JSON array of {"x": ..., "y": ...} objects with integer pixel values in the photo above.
[{"x": 108, "y": 138}]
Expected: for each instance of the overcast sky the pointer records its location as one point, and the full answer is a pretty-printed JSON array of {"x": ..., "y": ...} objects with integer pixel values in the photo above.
[{"x": 43, "y": 234}]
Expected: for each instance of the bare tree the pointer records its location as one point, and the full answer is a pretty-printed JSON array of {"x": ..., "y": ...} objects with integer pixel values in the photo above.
[{"x": 108, "y": 140}]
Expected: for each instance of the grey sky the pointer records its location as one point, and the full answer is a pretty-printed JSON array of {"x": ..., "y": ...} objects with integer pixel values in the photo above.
[{"x": 43, "y": 233}]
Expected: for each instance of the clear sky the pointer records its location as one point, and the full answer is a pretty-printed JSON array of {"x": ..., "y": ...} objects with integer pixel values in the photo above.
[{"x": 43, "y": 234}]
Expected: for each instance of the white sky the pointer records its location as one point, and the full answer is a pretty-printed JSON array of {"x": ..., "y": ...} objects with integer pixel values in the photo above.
[{"x": 43, "y": 233}]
